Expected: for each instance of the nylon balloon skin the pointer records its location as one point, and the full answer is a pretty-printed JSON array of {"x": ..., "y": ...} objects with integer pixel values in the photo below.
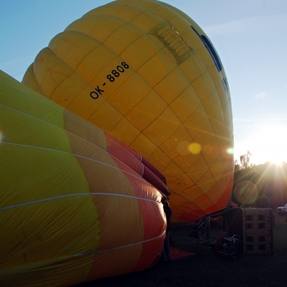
[
  {"x": 148, "y": 74},
  {"x": 70, "y": 209}
]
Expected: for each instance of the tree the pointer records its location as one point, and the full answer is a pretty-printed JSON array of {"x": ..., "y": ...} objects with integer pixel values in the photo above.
[{"x": 245, "y": 160}]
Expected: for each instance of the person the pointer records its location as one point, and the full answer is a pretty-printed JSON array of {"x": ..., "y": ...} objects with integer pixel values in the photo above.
[{"x": 168, "y": 213}]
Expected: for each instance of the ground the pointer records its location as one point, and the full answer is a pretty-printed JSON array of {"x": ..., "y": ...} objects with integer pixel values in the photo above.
[{"x": 207, "y": 271}]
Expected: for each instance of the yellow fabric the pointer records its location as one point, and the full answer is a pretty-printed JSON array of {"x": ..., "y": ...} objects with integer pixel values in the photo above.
[
  {"x": 40, "y": 227},
  {"x": 142, "y": 71},
  {"x": 66, "y": 206}
]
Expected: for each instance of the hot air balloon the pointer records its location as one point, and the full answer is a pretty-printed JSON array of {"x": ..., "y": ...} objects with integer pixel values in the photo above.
[
  {"x": 147, "y": 73},
  {"x": 70, "y": 209}
]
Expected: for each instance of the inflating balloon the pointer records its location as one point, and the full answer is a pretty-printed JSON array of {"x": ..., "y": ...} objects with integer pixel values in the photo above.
[
  {"x": 70, "y": 209},
  {"x": 147, "y": 73}
]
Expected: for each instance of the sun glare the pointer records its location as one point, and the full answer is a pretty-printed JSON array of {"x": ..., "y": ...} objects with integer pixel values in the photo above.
[{"x": 268, "y": 144}]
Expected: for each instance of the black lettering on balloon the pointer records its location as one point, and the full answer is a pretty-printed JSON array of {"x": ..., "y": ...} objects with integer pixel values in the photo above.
[
  {"x": 125, "y": 65},
  {"x": 114, "y": 74},
  {"x": 120, "y": 69},
  {"x": 96, "y": 93},
  {"x": 110, "y": 78}
]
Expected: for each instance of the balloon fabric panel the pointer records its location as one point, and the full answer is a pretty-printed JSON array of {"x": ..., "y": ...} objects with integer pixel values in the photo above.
[{"x": 147, "y": 73}]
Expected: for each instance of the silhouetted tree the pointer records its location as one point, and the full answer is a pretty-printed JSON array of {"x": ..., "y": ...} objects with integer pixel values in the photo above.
[{"x": 245, "y": 160}]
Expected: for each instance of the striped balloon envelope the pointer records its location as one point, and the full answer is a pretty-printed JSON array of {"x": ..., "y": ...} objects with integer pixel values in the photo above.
[
  {"x": 70, "y": 209},
  {"x": 148, "y": 74}
]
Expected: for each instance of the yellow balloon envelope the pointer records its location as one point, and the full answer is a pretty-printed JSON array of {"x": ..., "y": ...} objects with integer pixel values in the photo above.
[
  {"x": 70, "y": 209},
  {"x": 147, "y": 73}
]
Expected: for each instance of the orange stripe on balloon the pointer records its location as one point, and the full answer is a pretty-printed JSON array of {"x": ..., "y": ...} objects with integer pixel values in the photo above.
[
  {"x": 152, "y": 213},
  {"x": 151, "y": 252},
  {"x": 153, "y": 218},
  {"x": 154, "y": 223}
]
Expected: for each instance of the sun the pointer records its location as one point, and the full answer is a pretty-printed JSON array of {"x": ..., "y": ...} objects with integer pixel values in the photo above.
[{"x": 268, "y": 143}]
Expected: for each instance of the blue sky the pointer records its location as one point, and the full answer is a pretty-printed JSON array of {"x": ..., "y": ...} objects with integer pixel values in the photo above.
[{"x": 250, "y": 37}]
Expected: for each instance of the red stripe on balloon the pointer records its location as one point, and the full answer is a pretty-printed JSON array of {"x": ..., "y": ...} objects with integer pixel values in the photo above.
[
  {"x": 154, "y": 223},
  {"x": 124, "y": 154}
]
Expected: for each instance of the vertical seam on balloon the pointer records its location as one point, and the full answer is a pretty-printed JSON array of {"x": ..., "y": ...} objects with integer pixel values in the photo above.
[
  {"x": 168, "y": 105},
  {"x": 204, "y": 193},
  {"x": 50, "y": 95},
  {"x": 107, "y": 100},
  {"x": 76, "y": 69},
  {"x": 166, "y": 20},
  {"x": 120, "y": 54},
  {"x": 189, "y": 20},
  {"x": 102, "y": 43},
  {"x": 30, "y": 70},
  {"x": 222, "y": 72},
  {"x": 172, "y": 160},
  {"x": 140, "y": 132},
  {"x": 180, "y": 120},
  {"x": 126, "y": 119},
  {"x": 189, "y": 200}
]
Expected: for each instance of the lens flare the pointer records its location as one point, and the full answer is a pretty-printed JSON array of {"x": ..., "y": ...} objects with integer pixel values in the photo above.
[
  {"x": 195, "y": 148},
  {"x": 230, "y": 150}
]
